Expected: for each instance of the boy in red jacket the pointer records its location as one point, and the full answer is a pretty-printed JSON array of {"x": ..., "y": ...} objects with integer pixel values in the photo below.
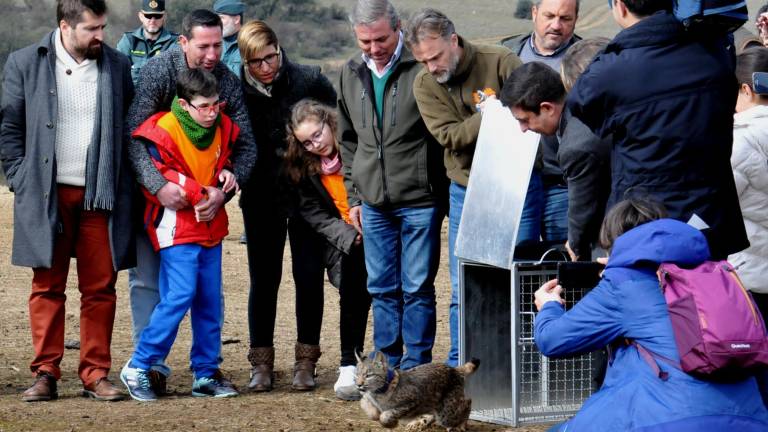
[{"x": 190, "y": 146}]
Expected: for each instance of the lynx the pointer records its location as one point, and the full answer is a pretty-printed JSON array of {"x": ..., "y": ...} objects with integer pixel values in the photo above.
[{"x": 426, "y": 394}]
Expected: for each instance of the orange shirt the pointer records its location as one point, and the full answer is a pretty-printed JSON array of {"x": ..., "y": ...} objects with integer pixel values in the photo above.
[
  {"x": 202, "y": 163},
  {"x": 334, "y": 184}
]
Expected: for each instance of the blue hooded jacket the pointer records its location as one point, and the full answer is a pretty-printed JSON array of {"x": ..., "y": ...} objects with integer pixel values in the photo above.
[{"x": 628, "y": 304}]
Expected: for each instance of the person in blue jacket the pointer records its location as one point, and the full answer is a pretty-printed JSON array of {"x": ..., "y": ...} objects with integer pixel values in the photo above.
[
  {"x": 627, "y": 304},
  {"x": 667, "y": 95}
]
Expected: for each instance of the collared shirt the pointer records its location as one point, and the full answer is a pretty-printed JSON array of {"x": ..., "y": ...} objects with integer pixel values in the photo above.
[
  {"x": 531, "y": 54},
  {"x": 395, "y": 57}
]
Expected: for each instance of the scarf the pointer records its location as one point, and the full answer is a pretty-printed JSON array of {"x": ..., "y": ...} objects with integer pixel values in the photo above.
[
  {"x": 100, "y": 169},
  {"x": 200, "y": 136},
  {"x": 330, "y": 165}
]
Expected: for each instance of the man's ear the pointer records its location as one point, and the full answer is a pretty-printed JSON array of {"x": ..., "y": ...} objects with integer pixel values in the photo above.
[
  {"x": 546, "y": 108},
  {"x": 183, "y": 41},
  {"x": 534, "y": 9},
  {"x": 183, "y": 103}
]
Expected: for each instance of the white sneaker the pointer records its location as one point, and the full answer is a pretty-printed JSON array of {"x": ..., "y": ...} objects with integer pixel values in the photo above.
[{"x": 345, "y": 387}]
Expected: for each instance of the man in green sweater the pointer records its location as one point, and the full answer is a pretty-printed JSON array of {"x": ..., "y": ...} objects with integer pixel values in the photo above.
[
  {"x": 451, "y": 90},
  {"x": 394, "y": 180}
]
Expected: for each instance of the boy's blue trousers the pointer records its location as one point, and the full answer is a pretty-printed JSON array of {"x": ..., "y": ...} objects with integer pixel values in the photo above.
[{"x": 190, "y": 278}]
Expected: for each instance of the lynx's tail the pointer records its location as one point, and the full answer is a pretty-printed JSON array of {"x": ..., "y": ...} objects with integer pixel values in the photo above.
[{"x": 469, "y": 367}]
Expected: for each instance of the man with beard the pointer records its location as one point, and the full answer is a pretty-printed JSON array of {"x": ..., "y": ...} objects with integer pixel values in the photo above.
[
  {"x": 148, "y": 40},
  {"x": 231, "y": 14},
  {"x": 63, "y": 150},
  {"x": 446, "y": 90},
  {"x": 199, "y": 47}
]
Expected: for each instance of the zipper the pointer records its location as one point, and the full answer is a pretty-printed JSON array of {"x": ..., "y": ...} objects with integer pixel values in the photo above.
[
  {"x": 746, "y": 295},
  {"x": 362, "y": 105},
  {"x": 394, "y": 105}
]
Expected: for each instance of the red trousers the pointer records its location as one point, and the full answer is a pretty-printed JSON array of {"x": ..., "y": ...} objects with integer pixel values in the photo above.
[{"x": 85, "y": 236}]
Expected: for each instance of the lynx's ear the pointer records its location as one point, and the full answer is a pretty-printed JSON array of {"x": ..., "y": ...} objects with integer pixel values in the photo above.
[
  {"x": 357, "y": 356},
  {"x": 381, "y": 358}
]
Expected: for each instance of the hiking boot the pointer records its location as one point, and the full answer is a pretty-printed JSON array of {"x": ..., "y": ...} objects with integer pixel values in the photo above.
[
  {"x": 158, "y": 382},
  {"x": 212, "y": 387},
  {"x": 103, "y": 390},
  {"x": 304, "y": 367},
  {"x": 345, "y": 387},
  {"x": 263, "y": 362},
  {"x": 43, "y": 389},
  {"x": 137, "y": 382}
]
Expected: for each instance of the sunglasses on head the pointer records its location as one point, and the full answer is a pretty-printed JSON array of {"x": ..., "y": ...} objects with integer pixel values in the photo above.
[{"x": 150, "y": 16}]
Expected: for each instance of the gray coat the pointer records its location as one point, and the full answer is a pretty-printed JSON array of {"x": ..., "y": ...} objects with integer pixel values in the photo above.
[{"x": 27, "y": 143}]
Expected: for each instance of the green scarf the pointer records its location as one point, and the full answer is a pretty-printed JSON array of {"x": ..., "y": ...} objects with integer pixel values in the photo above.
[{"x": 201, "y": 137}]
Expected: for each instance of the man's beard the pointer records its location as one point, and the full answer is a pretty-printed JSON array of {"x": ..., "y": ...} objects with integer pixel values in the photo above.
[
  {"x": 228, "y": 30},
  {"x": 446, "y": 76},
  {"x": 92, "y": 52}
]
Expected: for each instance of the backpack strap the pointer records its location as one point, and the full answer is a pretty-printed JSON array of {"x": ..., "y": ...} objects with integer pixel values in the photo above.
[{"x": 651, "y": 358}]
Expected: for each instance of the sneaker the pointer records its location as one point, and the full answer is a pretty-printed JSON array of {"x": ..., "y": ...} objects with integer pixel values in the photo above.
[
  {"x": 137, "y": 382},
  {"x": 157, "y": 382},
  {"x": 345, "y": 387},
  {"x": 207, "y": 387}
]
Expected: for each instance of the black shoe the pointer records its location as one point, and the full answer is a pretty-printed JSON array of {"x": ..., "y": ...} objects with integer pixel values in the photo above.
[{"x": 157, "y": 382}]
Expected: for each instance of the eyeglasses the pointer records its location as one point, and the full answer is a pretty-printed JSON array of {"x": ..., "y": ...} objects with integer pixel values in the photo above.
[
  {"x": 315, "y": 139},
  {"x": 205, "y": 109},
  {"x": 151, "y": 16},
  {"x": 269, "y": 59}
]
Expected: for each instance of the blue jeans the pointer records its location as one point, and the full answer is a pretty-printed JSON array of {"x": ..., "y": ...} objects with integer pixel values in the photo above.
[
  {"x": 529, "y": 231},
  {"x": 190, "y": 279},
  {"x": 402, "y": 254},
  {"x": 555, "y": 217},
  {"x": 533, "y": 211}
]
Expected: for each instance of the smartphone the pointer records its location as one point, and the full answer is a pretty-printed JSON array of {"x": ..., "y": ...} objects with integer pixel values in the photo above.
[
  {"x": 760, "y": 82},
  {"x": 579, "y": 275}
]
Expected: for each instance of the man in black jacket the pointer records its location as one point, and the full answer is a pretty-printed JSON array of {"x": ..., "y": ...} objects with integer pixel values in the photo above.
[{"x": 667, "y": 95}]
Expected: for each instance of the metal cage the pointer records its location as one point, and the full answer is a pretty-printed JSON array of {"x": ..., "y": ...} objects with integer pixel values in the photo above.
[{"x": 516, "y": 384}]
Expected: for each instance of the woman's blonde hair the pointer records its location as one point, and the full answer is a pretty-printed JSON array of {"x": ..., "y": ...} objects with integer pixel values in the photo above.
[
  {"x": 299, "y": 162},
  {"x": 254, "y": 36}
]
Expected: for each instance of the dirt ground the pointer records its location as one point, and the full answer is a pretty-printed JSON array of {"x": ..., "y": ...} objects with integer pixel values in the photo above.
[{"x": 280, "y": 410}]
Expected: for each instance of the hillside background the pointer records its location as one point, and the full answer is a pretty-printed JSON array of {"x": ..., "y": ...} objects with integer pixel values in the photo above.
[{"x": 314, "y": 31}]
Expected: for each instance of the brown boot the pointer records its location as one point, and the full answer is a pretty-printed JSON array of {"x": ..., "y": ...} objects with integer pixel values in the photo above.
[
  {"x": 44, "y": 389},
  {"x": 304, "y": 368},
  {"x": 263, "y": 362},
  {"x": 103, "y": 390}
]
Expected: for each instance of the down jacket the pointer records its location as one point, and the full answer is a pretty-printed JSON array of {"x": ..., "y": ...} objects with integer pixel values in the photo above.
[
  {"x": 750, "y": 171},
  {"x": 628, "y": 304},
  {"x": 167, "y": 227}
]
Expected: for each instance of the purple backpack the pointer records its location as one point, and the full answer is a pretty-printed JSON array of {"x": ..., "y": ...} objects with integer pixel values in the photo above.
[{"x": 718, "y": 329}]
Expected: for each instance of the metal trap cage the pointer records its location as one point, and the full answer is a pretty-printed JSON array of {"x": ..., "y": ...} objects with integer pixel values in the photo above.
[{"x": 515, "y": 384}]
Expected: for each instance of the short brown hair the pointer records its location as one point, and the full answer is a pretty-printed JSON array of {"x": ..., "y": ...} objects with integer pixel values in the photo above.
[
  {"x": 628, "y": 214},
  {"x": 300, "y": 163},
  {"x": 71, "y": 11},
  {"x": 578, "y": 57},
  {"x": 254, "y": 36}
]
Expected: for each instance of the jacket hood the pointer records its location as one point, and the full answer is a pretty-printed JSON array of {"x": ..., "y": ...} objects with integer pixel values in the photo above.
[
  {"x": 658, "y": 29},
  {"x": 748, "y": 117},
  {"x": 660, "y": 241}
]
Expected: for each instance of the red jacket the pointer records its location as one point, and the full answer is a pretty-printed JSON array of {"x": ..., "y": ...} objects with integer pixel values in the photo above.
[{"x": 167, "y": 227}]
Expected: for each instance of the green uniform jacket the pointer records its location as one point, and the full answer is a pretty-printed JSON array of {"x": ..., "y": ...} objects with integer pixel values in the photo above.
[
  {"x": 140, "y": 50},
  {"x": 398, "y": 163},
  {"x": 230, "y": 55},
  {"x": 449, "y": 109}
]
